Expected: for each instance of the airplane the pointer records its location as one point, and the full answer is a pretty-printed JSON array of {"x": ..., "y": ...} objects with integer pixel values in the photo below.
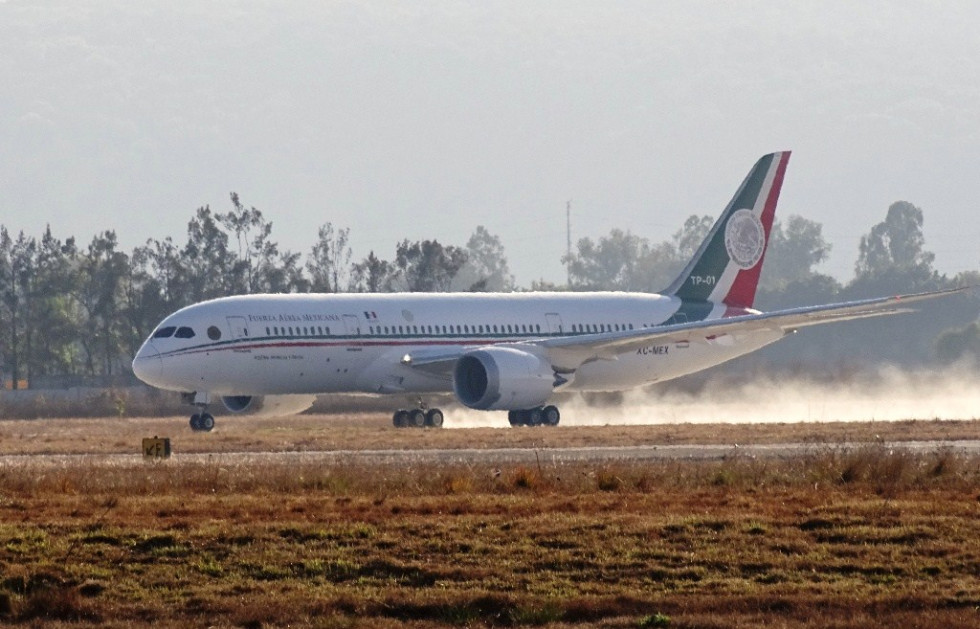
[{"x": 272, "y": 354}]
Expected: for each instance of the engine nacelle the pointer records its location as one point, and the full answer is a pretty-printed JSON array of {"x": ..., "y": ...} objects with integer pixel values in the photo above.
[
  {"x": 268, "y": 405},
  {"x": 502, "y": 378}
]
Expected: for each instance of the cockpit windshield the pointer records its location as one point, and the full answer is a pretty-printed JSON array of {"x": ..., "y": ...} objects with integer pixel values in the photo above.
[
  {"x": 184, "y": 332},
  {"x": 165, "y": 332}
]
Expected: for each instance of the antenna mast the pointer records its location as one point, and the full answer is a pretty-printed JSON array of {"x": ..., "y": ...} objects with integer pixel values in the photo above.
[{"x": 568, "y": 243}]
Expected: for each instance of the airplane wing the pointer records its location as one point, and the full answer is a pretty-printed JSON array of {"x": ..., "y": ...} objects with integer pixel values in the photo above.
[{"x": 568, "y": 352}]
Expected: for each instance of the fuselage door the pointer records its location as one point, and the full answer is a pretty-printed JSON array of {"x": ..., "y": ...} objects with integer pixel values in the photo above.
[
  {"x": 352, "y": 324},
  {"x": 554, "y": 323},
  {"x": 238, "y": 327}
]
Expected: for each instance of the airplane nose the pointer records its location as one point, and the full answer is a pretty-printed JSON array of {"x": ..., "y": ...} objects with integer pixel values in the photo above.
[{"x": 147, "y": 364}]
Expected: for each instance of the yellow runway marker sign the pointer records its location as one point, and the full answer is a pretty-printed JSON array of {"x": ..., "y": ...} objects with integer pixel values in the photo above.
[{"x": 156, "y": 447}]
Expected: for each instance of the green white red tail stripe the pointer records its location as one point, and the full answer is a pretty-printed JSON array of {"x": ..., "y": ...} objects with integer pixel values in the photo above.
[{"x": 726, "y": 268}]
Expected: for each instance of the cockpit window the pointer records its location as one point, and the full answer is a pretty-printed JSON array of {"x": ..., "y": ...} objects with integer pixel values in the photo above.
[
  {"x": 164, "y": 333},
  {"x": 184, "y": 332}
]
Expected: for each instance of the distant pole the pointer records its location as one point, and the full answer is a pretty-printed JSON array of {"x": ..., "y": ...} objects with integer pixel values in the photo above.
[{"x": 568, "y": 243}]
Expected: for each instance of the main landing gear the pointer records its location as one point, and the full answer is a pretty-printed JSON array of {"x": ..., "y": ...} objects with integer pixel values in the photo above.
[
  {"x": 540, "y": 416},
  {"x": 417, "y": 418}
]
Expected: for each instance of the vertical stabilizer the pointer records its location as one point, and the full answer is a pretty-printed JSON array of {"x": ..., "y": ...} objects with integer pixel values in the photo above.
[{"x": 726, "y": 267}]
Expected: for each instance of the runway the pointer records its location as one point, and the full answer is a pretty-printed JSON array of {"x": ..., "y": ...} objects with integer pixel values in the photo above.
[{"x": 490, "y": 456}]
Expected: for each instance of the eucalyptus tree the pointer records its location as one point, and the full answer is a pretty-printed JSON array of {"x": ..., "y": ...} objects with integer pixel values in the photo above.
[
  {"x": 259, "y": 266},
  {"x": 329, "y": 263},
  {"x": 426, "y": 266},
  {"x": 102, "y": 271},
  {"x": 486, "y": 268},
  {"x": 372, "y": 275}
]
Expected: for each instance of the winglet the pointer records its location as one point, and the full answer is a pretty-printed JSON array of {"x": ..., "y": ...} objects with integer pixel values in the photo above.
[{"x": 726, "y": 267}]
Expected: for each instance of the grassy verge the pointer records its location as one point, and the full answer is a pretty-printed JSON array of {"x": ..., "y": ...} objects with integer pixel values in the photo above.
[
  {"x": 374, "y": 431},
  {"x": 836, "y": 539}
]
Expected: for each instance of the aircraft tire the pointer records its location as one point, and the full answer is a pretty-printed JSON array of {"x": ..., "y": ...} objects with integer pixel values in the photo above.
[
  {"x": 416, "y": 418},
  {"x": 400, "y": 418},
  {"x": 550, "y": 416},
  {"x": 206, "y": 422},
  {"x": 533, "y": 417},
  {"x": 434, "y": 418},
  {"x": 515, "y": 418},
  {"x": 195, "y": 422}
]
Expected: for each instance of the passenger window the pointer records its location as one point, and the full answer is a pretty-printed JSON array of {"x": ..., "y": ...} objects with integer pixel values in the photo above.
[
  {"x": 214, "y": 333},
  {"x": 164, "y": 333},
  {"x": 184, "y": 332}
]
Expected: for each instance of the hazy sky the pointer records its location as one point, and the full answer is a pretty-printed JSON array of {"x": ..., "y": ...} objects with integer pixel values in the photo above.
[{"x": 424, "y": 120}]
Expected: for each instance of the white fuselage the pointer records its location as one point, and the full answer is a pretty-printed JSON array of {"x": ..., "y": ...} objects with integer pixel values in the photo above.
[{"x": 328, "y": 343}]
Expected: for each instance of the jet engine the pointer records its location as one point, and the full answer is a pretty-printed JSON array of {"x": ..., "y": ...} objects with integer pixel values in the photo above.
[
  {"x": 268, "y": 405},
  {"x": 502, "y": 378}
]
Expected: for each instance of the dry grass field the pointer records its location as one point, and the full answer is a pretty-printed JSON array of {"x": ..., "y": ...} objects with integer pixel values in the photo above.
[{"x": 872, "y": 536}]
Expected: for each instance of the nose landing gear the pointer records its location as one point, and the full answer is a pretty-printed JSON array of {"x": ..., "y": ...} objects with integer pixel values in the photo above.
[{"x": 201, "y": 421}]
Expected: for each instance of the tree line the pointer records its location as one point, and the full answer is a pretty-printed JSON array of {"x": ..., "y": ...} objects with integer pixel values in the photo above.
[{"x": 73, "y": 309}]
